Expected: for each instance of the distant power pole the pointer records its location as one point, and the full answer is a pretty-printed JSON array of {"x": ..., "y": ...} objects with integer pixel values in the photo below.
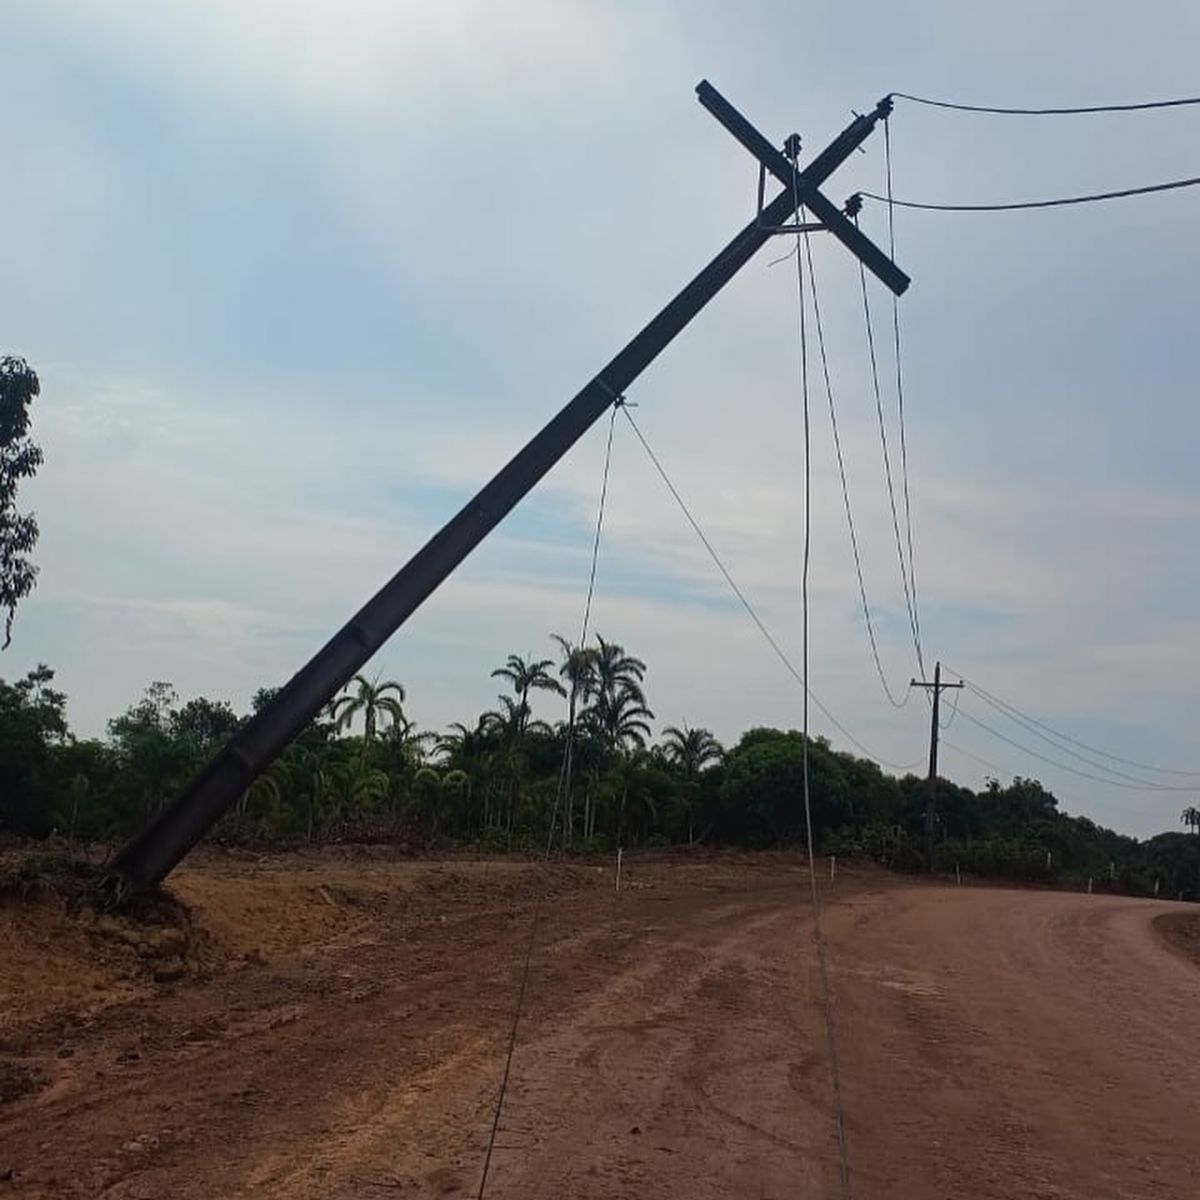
[{"x": 931, "y": 801}]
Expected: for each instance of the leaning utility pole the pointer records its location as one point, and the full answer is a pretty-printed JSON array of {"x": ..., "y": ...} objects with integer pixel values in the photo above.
[
  {"x": 931, "y": 800},
  {"x": 148, "y": 858}
]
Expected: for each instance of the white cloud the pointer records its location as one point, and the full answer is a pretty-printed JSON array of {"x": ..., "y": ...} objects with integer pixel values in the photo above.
[{"x": 513, "y": 189}]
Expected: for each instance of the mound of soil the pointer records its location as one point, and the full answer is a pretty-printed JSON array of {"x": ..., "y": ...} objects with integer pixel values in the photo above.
[{"x": 1181, "y": 931}]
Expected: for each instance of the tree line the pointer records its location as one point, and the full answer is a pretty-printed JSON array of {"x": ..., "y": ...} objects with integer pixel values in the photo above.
[{"x": 586, "y": 780}]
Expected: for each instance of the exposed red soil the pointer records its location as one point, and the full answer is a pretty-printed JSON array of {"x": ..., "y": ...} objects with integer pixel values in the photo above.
[
  {"x": 336, "y": 1029},
  {"x": 1181, "y": 931}
]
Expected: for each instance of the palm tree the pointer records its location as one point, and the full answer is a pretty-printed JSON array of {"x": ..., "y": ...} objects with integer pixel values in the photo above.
[
  {"x": 578, "y": 668},
  {"x": 620, "y": 718},
  {"x": 433, "y": 789},
  {"x": 617, "y": 671},
  {"x": 526, "y": 677},
  {"x": 374, "y": 700},
  {"x": 401, "y": 752},
  {"x": 265, "y": 790},
  {"x": 1191, "y": 818},
  {"x": 691, "y": 750},
  {"x": 358, "y": 786},
  {"x": 473, "y": 754},
  {"x": 314, "y": 785}
]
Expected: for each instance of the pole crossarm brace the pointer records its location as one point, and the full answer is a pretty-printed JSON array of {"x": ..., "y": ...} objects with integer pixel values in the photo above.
[
  {"x": 802, "y": 186},
  {"x": 150, "y": 856}
]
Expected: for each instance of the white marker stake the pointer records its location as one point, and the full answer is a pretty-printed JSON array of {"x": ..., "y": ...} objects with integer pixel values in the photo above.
[
  {"x": 1089, "y": 885},
  {"x": 958, "y": 874},
  {"x": 832, "y": 867},
  {"x": 1156, "y": 884},
  {"x": 618, "y": 868}
]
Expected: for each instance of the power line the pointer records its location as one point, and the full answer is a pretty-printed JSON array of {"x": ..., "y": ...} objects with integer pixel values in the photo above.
[
  {"x": 953, "y": 711},
  {"x": 1058, "y": 202},
  {"x": 768, "y": 637},
  {"x": 1017, "y": 719},
  {"x": 512, "y": 1044},
  {"x": 591, "y": 589},
  {"x": 1132, "y": 787},
  {"x": 837, "y": 443},
  {"x": 912, "y": 564},
  {"x": 910, "y": 607},
  {"x": 1076, "y": 805},
  {"x": 564, "y": 784},
  {"x": 818, "y": 936},
  {"x": 1046, "y": 112},
  {"x": 983, "y": 762},
  {"x": 997, "y": 702}
]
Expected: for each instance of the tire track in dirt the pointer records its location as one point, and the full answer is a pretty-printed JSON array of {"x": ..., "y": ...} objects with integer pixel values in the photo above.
[{"x": 1045, "y": 1050}]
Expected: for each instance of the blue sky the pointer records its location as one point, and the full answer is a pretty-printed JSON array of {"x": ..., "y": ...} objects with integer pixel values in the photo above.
[{"x": 298, "y": 277}]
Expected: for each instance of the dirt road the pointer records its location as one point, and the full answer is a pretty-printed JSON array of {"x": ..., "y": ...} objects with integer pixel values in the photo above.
[{"x": 993, "y": 1044}]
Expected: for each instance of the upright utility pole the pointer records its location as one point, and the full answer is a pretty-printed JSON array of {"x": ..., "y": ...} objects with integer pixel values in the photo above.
[
  {"x": 931, "y": 799},
  {"x": 149, "y": 857}
]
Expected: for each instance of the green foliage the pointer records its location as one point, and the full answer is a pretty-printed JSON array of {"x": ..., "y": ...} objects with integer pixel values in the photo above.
[
  {"x": 500, "y": 781},
  {"x": 19, "y": 460}
]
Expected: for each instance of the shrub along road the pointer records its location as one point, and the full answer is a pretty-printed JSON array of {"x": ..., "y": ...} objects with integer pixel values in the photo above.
[{"x": 994, "y": 1043}]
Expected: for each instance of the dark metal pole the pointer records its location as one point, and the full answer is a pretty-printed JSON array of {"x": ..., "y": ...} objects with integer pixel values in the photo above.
[
  {"x": 931, "y": 801},
  {"x": 934, "y": 728},
  {"x": 151, "y": 855}
]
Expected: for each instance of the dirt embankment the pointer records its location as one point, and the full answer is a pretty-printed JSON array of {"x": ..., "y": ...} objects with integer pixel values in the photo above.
[{"x": 1181, "y": 931}]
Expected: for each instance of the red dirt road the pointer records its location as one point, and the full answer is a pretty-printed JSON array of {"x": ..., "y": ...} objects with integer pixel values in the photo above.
[{"x": 993, "y": 1043}]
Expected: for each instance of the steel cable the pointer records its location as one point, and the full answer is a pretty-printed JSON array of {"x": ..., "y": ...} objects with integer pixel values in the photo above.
[
  {"x": 1058, "y": 202},
  {"x": 837, "y": 443},
  {"x": 839, "y": 1108},
  {"x": 1046, "y": 112},
  {"x": 563, "y": 783},
  {"x": 767, "y": 635}
]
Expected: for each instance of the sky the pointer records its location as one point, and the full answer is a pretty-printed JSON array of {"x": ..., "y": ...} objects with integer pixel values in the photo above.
[{"x": 299, "y": 277}]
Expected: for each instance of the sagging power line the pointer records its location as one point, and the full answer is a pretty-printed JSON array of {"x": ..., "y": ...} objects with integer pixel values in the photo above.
[
  {"x": 839, "y": 1108},
  {"x": 1019, "y": 205},
  {"x": 1079, "y": 110},
  {"x": 1108, "y": 782},
  {"x": 564, "y": 786},
  {"x": 1004, "y": 705},
  {"x": 751, "y": 610},
  {"x": 841, "y": 464}
]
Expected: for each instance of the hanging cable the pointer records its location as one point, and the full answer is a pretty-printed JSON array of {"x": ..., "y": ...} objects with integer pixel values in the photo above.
[
  {"x": 954, "y": 711},
  {"x": 564, "y": 782},
  {"x": 1131, "y": 787},
  {"x": 767, "y": 635},
  {"x": 1014, "y": 206},
  {"x": 837, "y": 443},
  {"x": 910, "y": 607},
  {"x": 912, "y": 565},
  {"x": 1004, "y": 711},
  {"x": 564, "y": 777},
  {"x": 1076, "y": 805},
  {"x": 1046, "y": 112},
  {"x": 1024, "y": 718},
  {"x": 983, "y": 762},
  {"x": 591, "y": 588},
  {"x": 839, "y": 1109}
]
